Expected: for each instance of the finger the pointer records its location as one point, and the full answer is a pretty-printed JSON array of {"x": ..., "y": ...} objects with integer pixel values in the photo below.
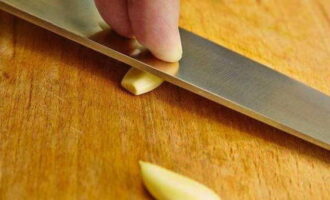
[
  {"x": 115, "y": 13},
  {"x": 155, "y": 25}
]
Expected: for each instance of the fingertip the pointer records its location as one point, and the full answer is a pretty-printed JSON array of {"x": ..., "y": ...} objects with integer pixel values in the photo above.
[
  {"x": 173, "y": 54},
  {"x": 164, "y": 45},
  {"x": 155, "y": 25}
]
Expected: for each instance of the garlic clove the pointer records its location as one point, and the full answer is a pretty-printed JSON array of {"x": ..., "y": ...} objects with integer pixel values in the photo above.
[
  {"x": 164, "y": 184},
  {"x": 139, "y": 82}
]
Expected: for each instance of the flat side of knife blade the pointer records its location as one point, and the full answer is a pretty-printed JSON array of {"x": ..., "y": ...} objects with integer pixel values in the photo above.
[
  {"x": 222, "y": 76},
  {"x": 256, "y": 90}
]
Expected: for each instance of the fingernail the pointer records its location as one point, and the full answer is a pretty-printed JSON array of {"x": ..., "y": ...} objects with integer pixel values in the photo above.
[{"x": 169, "y": 54}]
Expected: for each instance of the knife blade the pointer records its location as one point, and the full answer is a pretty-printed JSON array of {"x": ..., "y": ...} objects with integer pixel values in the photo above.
[{"x": 207, "y": 69}]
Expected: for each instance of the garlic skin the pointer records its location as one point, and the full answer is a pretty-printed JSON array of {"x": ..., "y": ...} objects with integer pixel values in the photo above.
[
  {"x": 139, "y": 82},
  {"x": 164, "y": 184}
]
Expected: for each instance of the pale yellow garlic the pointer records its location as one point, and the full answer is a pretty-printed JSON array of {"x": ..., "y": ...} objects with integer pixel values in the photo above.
[
  {"x": 139, "y": 82},
  {"x": 164, "y": 184},
  {"x": 103, "y": 25}
]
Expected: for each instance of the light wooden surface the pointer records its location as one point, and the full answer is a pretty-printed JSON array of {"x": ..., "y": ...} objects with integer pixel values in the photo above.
[{"x": 68, "y": 131}]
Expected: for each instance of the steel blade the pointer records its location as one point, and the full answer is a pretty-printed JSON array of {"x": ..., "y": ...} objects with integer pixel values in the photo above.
[{"x": 207, "y": 69}]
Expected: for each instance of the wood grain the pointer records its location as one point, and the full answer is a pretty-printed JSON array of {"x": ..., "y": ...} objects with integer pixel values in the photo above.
[{"x": 68, "y": 131}]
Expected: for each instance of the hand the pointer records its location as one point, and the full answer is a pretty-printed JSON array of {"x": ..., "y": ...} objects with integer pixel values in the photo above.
[{"x": 154, "y": 23}]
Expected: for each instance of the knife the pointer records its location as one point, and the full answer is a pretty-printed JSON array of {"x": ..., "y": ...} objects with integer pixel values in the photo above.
[{"x": 206, "y": 69}]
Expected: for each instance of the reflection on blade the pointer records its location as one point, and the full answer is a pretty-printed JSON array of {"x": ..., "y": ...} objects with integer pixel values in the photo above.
[{"x": 206, "y": 69}]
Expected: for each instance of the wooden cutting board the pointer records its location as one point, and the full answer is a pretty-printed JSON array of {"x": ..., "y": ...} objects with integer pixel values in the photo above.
[{"x": 68, "y": 130}]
